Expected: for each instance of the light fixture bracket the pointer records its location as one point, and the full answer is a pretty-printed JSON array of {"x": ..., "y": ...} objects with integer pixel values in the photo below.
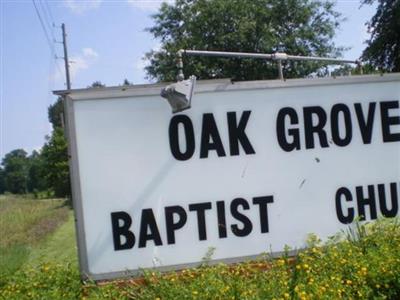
[{"x": 179, "y": 95}]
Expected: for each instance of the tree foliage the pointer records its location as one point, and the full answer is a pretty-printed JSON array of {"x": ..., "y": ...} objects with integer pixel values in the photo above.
[
  {"x": 298, "y": 27},
  {"x": 383, "y": 47},
  {"x": 97, "y": 84},
  {"x": 55, "y": 160},
  {"x": 46, "y": 170},
  {"x": 15, "y": 164},
  {"x": 55, "y": 112},
  {"x": 346, "y": 70},
  {"x": 2, "y": 181},
  {"x": 36, "y": 173},
  {"x": 126, "y": 82},
  {"x": 55, "y": 151},
  {"x": 22, "y": 173}
]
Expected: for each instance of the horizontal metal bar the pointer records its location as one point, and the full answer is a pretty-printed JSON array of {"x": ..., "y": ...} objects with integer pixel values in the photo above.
[
  {"x": 325, "y": 59},
  {"x": 274, "y": 56},
  {"x": 227, "y": 54}
]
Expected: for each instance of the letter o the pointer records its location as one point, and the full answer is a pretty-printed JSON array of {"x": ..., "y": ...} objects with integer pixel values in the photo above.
[{"x": 174, "y": 137}]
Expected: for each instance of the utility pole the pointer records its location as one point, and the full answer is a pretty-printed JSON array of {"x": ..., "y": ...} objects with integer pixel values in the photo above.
[
  {"x": 66, "y": 62},
  {"x": 64, "y": 35}
]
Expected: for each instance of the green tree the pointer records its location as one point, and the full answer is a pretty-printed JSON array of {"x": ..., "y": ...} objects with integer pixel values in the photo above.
[
  {"x": 126, "y": 82},
  {"x": 55, "y": 112},
  {"x": 36, "y": 173},
  {"x": 54, "y": 156},
  {"x": 298, "y": 27},
  {"x": 383, "y": 47},
  {"x": 16, "y": 166},
  {"x": 55, "y": 161},
  {"x": 346, "y": 70},
  {"x": 2, "y": 181},
  {"x": 97, "y": 84}
]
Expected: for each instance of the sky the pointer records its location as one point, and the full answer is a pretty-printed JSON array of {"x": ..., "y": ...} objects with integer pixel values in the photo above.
[{"x": 106, "y": 42}]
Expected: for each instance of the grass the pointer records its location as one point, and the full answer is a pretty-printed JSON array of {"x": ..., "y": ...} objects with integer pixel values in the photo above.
[
  {"x": 59, "y": 247},
  {"x": 24, "y": 223},
  {"x": 12, "y": 258},
  {"x": 360, "y": 264}
]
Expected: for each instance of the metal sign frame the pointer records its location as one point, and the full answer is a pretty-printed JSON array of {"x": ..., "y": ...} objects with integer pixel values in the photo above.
[{"x": 153, "y": 89}]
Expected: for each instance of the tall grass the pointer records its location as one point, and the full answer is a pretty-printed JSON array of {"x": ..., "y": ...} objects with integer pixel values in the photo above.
[{"x": 24, "y": 223}]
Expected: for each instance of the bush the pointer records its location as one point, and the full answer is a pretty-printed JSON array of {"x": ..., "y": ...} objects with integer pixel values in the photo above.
[
  {"x": 361, "y": 264},
  {"x": 47, "y": 281}
]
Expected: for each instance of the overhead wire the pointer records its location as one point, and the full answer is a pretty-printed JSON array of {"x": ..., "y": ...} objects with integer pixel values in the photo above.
[
  {"x": 51, "y": 46},
  {"x": 49, "y": 42},
  {"x": 49, "y": 11},
  {"x": 46, "y": 18},
  {"x": 44, "y": 8}
]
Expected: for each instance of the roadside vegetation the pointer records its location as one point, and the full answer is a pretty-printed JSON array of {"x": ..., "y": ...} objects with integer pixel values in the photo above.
[
  {"x": 38, "y": 261},
  {"x": 24, "y": 224}
]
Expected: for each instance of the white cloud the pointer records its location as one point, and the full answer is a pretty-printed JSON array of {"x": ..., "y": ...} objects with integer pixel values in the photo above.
[
  {"x": 82, "y": 61},
  {"x": 81, "y": 6},
  {"x": 89, "y": 53},
  {"x": 148, "y": 5},
  {"x": 78, "y": 63}
]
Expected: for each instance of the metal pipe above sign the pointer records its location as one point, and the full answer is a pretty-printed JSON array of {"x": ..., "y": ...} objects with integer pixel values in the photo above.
[{"x": 278, "y": 57}]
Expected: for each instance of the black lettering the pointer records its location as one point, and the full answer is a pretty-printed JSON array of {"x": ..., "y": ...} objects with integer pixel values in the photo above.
[
  {"x": 293, "y": 132},
  {"x": 366, "y": 125},
  {"x": 221, "y": 219},
  {"x": 210, "y": 132},
  {"x": 122, "y": 230},
  {"x": 345, "y": 219},
  {"x": 174, "y": 137},
  {"x": 336, "y": 110},
  {"x": 387, "y": 121},
  {"x": 148, "y": 221},
  {"x": 247, "y": 225},
  {"x": 311, "y": 129},
  {"x": 263, "y": 203},
  {"x": 388, "y": 213},
  {"x": 171, "y": 226},
  {"x": 237, "y": 133},
  {"x": 200, "y": 209},
  {"x": 363, "y": 201}
]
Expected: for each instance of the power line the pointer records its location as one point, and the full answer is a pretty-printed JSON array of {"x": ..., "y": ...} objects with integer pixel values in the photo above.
[
  {"x": 49, "y": 11},
  {"x": 44, "y": 29},
  {"x": 49, "y": 42},
  {"x": 46, "y": 18},
  {"x": 46, "y": 9}
]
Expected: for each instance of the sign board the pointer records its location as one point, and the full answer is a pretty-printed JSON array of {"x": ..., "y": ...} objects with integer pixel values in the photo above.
[{"x": 250, "y": 168}]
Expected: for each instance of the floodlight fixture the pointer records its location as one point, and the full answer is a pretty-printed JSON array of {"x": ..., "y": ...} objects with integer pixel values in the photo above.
[{"x": 179, "y": 95}]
